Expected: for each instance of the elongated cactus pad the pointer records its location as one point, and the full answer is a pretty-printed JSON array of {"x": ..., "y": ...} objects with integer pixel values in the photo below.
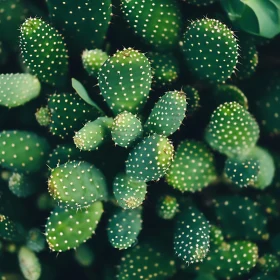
[
  {"x": 66, "y": 229},
  {"x": 167, "y": 207}
]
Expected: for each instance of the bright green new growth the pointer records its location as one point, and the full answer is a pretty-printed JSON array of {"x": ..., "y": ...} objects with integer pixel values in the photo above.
[
  {"x": 193, "y": 167},
  {"x": 77, "y": 184},
  {"x": 44, "y": 51},
  {"x": 93, "y": 134},
  {"x": 211, "y": 50},
  {"x": 43, "y": 116},
  {"x": 193, "y": 99},
  {"x": 167, "y": 114},
  {"x": 29, "y": 264},
  {"x": 10, "y": 230},
  {"x": 126, "y": 129},
  {"x": 129, "y": 193},
  {"x": 157, "y": 24},
  {"x": 232, "y": 130},
  {"x": 17, "y": 89},
  {"x": 93, "y": 60},
  {"x": 242, "y": 172},
  {"x": 23, "y": 151},
  {"x": 84, "y": 255},
  {"x": 35, "y": 240},
  {"x": 68, "y": 228},
  {"x": 191, "y": 236},
  {"x": 125, "y": 80},
  {"x": 147, "y": 260},
  {"x": 241, "y": 218},
  {"x": 268, "y": 263},
  {"x": 124, "y": 227},
  {"x": 167, "y": 207},
  {"x": 150, "y": 159}
]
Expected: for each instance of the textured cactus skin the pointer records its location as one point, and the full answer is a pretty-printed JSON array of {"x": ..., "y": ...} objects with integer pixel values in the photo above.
[
  {"x": 201, "y": 2},
  {"x": 73, "y": 234},
  {"x": 193, "y": 99},
  {"x": 167, "y": 207},
  {"x": 35, "y": 240},
  {"x": 10, "y": 230},
  {"x": 268, "y": 263}
]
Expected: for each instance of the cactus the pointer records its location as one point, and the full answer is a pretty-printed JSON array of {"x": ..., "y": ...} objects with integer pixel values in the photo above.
[
  {"x": 35, "y": 240},
  {"x": 43, "y": 116},
  {"x": 201, "y": 2},
  {"x": 193, "y": 99},
  {"x": 10, "y": 230},
  {"x": 84, "y": 255},
  {"x": 167, "y": 207},
  {"x": 268, "y": 263}
]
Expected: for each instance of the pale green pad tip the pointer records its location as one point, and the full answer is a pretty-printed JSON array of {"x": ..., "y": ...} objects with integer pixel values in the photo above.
[
  {"x": 18, "y": 89},
  {"x": 232, "y": 130},
  {"x": 146, "y": 261},
  {"x": 125, "y": 81},
  {"x": 191, "y": 236},
  {"x": 126, "y": 129},
  {"x": 211, "y": 50},
  {"x": 168, "y": 113},
  {"x": 93, "y": 134},
  {"x": 66, "y": 229},
  {"x": 124, "y": 227},
  {"x": 77, "y": 184},
  {"x": 92, "y": 61},
  {"x": 129, "y": 193},
  {"x": 23, "y": 151},
  {"x": 150, "y": 159},
  {"x": 44, "y": 51},
  {"x": 167, "y": 207},
  {"x": 29, "y": 264},
  {"x": 193, "y": 167}
]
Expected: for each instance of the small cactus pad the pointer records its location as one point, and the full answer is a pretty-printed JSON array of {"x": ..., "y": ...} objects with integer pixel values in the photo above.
[
  {"x": 23, "y": 151},
  {"x": 93, "y": 134},
  {"x": 268, "y": 263},
  {"x": 29, "y": 264},
  {"x": 216, "y": 237},
  {"x": 232, "y": 130},
  {"x": 43, "y": 116},
  {"x": 84, "y": 24},
  {"x": 93, "y": 60},
  {"x": 150, "y": 159},
  {"x": 125, "y": 81},
  {"x": 10, "y": 230},
  {"x": 241, "y": 218},
  {"x": 242, "y": 172},
  {"x": 128, "y": 192},
  {"x": 167, "y": 207},
  {"x": 44, "y": 51},
  {"x": 126, "y": 129},
  {"x": 35, "y": 240},
  {"x": 146, "y": 260},
  {"x": 77, "y": 184},
  {"x": 67, "y": 229},
  {"x": 84, "y": 255},
  {"x": 193, "y": 99},
  {"x": 193, "y": 167},
  {"x": 191, "y": 236},
  {"x": 168, "y": 113},
  {"x": 157, "y": 24},
  {"x": 124, "y": 227},
  {"x": 17, "y": 89},
  {"x": 211, "y": 50}
]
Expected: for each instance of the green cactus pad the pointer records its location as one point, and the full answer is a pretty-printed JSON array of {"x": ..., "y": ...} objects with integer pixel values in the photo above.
[
  {"x": 66, "y": 229},
  {"x": 150, "y": 159},
  {"x": 125, "y": 80},
  {"x": 29, "y": 264},
  {"x": 230, "y": 93},
  {"x": 268, "y": 263},
  {"x": 200, "y": 2},
  {"x": 23, "y": 151},
  {"x": 10, "y": 230},
  {"x": 157, "y": 24},
  {"x": 93, "y": 60},
  {"x": 211, "y": 50},
  {"x": 124, "y": 227},
  {"x": 241, "y": 218},
  {"x": 126, "y": 129},
  {"x": 129, "y": 193},
  {"x": 216, "y": 237},
  {"x": 146, "y": 260},
  {"x": 84, "y": 24},
  {"x": 193, "y": 167},
  {"x": 43, "y": 116},
  {"x": 3, "y": 54},
  {"x": 77, "y": 184},
  {"x": 232, "y": 130},
  {"x": 44, "y": 51},
  {"x": 17, "y": 89},
  {"x": 35, "y": 240},
  {"x": 242, "y": 172},
  {"x": 84, "y": 255},
  {"x": 167, "y": 207},
  {"x": 167, "y": 114},
  {"x": 193, "y": 99}
]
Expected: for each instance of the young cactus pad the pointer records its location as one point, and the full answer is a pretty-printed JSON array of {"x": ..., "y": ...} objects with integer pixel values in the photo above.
[
  {"x": 125, "y": 81},
  {"x": 167, "y": 207},
  {"x": 17, "y": 89},
  {"x": 66, "y": 229},
  {"x": 77, "y": 184},
  {"x": 211, "y": 50},
  {"x": 150, "y": 159},
  {"x": 44, "y": 51}
]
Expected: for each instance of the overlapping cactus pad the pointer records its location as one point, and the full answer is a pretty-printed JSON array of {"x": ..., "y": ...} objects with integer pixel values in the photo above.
[{"x": 139, "y": 140}]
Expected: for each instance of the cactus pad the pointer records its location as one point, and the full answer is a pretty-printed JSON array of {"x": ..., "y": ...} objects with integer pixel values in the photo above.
[{"x": 167, "y": 207}]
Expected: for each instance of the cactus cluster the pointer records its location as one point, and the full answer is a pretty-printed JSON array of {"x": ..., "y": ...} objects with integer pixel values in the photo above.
[{"x": 139, "y": 140}]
